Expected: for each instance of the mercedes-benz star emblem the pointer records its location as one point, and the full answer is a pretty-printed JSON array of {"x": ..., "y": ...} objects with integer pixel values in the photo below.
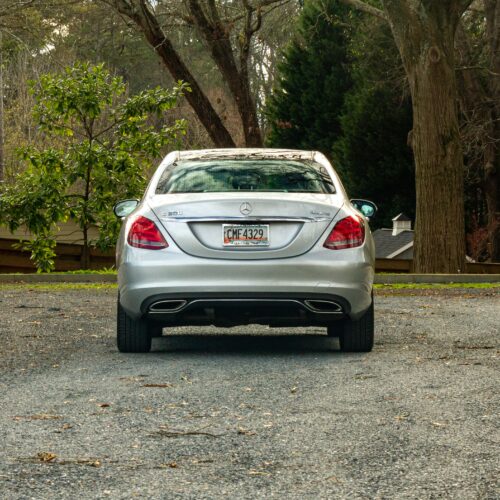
[{"x": 246, "y": 208}]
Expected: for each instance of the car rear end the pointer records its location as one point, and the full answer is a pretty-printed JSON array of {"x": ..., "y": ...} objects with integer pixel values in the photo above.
[{"x": 229, "y": 238}]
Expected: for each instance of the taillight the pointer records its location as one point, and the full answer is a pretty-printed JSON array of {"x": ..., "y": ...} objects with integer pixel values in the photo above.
[
  {"x": 347, "y": 233},
  {"x": 144, "y": 234}
]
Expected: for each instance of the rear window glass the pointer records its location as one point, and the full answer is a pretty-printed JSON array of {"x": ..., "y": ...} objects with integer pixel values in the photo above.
[{"x": 218, "y": 176}]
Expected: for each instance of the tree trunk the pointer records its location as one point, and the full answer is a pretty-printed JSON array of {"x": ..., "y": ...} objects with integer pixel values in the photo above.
[
  {"x": 425, "y": 39},
  {"x": 492, "y": 167},
  {"x": 2, "y": 151},
  {"x": 439, "y": 225},
  {"x": 216, "y": 36},
  {"x": 146, "y": 21},
  {"x": 85, "y": 255}
]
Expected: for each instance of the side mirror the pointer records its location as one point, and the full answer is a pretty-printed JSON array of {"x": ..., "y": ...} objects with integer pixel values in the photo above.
[
  {"x": 125, "y": 207},
  {"x": 367, "y": 208}
]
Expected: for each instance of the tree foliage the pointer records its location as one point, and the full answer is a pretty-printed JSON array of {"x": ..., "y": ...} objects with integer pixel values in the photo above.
[
  {"x": 375, "y": 160},
  {"x": 103, "y": 142}
]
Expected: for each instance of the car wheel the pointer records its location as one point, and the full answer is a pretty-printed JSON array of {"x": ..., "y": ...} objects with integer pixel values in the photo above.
[
  {"x": 133, "y": 335},
  {"x": 355, "y": 336}
]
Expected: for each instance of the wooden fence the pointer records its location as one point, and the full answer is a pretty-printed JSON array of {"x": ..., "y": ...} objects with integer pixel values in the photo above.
[{"x": 68, "y": 258}]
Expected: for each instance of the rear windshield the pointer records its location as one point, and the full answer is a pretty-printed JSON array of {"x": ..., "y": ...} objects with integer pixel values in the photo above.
[{"x": 218, "y": 176}]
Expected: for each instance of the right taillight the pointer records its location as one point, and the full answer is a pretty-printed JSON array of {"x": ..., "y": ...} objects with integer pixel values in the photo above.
[
  {"x": 144, "y": 233},
  {"x": 347, "y": 233}
]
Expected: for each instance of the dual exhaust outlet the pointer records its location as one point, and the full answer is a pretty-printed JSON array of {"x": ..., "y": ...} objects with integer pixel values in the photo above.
[{"x": 313, "y": 305}]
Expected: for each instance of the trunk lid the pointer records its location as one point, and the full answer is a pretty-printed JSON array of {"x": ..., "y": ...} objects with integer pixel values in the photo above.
[{"x": 294, "y": 221}]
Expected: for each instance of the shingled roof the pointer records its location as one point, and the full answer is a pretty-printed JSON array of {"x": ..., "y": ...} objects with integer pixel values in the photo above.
[
  {"x": 401, "y": 217},
  {"x": 388, "y": 246}
]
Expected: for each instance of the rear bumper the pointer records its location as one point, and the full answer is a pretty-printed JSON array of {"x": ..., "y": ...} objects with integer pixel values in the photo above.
[
  {"x": 174, "y": 275},
  {"x": 277, "y": 309}
]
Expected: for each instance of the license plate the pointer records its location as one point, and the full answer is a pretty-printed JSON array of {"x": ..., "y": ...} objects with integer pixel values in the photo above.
[{"x": 245, "y": 235}]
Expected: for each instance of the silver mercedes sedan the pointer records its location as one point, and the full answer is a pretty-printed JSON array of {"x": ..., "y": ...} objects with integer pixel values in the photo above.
[{"x": 230, "y": 237}]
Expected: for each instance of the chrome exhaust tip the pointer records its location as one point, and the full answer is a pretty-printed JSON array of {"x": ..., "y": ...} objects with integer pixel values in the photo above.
[
  {"x": 167, "y": 306},
  {"x": 323, "y": 306}
]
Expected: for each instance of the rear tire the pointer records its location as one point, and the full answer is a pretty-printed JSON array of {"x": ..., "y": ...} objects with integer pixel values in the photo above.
[
  {"x": 132, "y": 335},
  {"x": 356, "y": 335}
]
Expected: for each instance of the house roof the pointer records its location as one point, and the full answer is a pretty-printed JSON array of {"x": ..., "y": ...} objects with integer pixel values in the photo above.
[
  {"x": 386, "y": 245},
  {"x": 401, "y": 217}
]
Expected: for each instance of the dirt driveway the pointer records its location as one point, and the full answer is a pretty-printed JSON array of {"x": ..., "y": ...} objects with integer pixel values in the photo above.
[{"x": 249, "y": 412}]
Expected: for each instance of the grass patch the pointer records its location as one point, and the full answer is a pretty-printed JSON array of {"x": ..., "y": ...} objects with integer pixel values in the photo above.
[
  {"x": 425, "y": 286},
  {"x": 113, "y": 286},
  {"x": 88, "y": 271},
  {"x": 107, "y": 271},
  {"x": 53, "y": 287}
]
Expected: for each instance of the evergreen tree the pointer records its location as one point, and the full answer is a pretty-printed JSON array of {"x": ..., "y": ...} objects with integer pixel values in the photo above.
[
  {"x": 342, "y": 92},
  {"x": 375, "y": 161},
  {"x": 304, "y": 111}
]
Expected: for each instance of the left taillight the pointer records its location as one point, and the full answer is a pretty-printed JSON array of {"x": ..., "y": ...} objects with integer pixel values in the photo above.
[
  {"x": 144, "y": 233},
  {"x": 347, "y": 233}
]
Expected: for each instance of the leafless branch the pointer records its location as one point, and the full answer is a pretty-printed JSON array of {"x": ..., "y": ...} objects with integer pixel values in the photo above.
[
  {"x": 484, "y": 68},
  {"x": 364, "y": 7}
]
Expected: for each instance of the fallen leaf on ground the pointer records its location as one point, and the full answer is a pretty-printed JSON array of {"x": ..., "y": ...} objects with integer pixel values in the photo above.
[
  {"x": 45, "y": 456},
  {"x": 401, "y": 417},
  {"x": 293, "y": 390},
  {"x": 169, "y": 465}
]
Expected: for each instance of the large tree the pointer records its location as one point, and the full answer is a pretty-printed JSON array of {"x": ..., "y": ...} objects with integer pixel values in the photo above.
[
  {"x": 424, "y": 32},
  {"x": 227, "y": 30}
]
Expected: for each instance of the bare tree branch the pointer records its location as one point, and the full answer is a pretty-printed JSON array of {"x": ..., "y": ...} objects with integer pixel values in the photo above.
[
  {"x": 143, "y": 16},
  {"x": 364, "y": 7}
]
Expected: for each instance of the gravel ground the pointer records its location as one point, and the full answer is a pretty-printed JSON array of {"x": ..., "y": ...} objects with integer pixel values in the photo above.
[{"x": 248, "y": 412}]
